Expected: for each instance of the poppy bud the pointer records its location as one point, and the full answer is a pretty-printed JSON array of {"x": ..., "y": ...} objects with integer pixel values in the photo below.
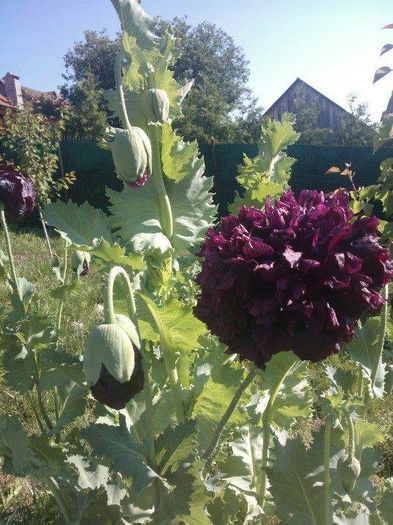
[
  {"x": 349, "y": 471},
  {"x": 112, "y": 364},
  {"x": 80, "y": 262},
  {"x": 155, "y": 106},
  {"x": 132, "y": 155},
  {"x": 16, "y": 193}
]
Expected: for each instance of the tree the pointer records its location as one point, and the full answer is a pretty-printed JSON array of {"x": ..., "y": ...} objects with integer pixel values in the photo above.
[
  {"x": 86, "y": 116},
  {"x": 94, "y": 55},
  {"x": 220, "y": 107},
  {"x": 220, "y": 104},
  {"x": 356, "y": 128},
  {"x": 31, "y": 142}
]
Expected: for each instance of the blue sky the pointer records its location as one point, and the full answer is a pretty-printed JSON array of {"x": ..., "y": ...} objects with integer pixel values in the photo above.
[{"x": 333, "y": 45}]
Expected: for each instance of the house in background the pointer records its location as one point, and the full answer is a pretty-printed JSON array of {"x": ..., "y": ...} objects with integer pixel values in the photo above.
[
  {"x": 330, "y": 113},
  {"x": 13, "y": 95}
]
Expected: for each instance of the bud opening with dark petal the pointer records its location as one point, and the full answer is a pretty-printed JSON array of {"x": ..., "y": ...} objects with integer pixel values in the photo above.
[{"x": 114, "y": 394}]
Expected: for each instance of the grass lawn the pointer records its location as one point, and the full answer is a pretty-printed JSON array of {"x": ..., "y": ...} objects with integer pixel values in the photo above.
[{"x": 82, "y": 310}]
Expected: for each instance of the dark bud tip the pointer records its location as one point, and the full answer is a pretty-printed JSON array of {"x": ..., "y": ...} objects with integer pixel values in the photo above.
[{"x": 110, "y": 392}]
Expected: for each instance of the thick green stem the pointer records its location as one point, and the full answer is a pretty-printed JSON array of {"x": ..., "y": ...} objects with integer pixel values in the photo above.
[
  {"x": 171, "y": 369},
  {"x": 35, "y": 411},
  {"x": 150, "y": 445},
  {"x": 381, "y": 337},
  {"x": 119, "y": 86},
  {"x": 381, "y": 343},
  {"x": 351, "y": 432},
  {"x": 41, "y": 404},
  {"x": 208, "y": 454},
  {"x": 173, "y": 378},
  {"x": 61, "y": 303},
  {"x": 10, "y": 254},
  {"x": 108, "y": 297},
  {"x": 166, "y": 216},
  {"x": 261, "y": 481},
  {"x": 149, "y": 415},
  {"x": 45, "y": 232},
  {"x": 57, "y": 494},
  {"x": 327, "y": 482}
]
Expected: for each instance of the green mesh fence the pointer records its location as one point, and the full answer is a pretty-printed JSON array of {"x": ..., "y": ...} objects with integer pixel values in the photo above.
[{"x": 95, "y": 170}]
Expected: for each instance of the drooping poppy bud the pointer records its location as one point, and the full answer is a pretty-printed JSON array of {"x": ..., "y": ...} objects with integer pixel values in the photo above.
[
  {"x": 16, "y": 193},
  {"x": 155, "y": 106},
  {"x": 349, "y": 470},
  {"x": 112, "y": 364},
  {"x": 132, "y": 155},
  {"x": 80, "y": 262}
]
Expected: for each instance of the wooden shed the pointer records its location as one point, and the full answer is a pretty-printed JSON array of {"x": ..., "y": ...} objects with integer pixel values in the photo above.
[{"x": 330, "y": 113}]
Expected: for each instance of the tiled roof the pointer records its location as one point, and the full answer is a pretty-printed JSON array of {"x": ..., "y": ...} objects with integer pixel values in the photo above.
[
  {"x": 36, "y": 95},
  {"x": 5, "y": 103}
]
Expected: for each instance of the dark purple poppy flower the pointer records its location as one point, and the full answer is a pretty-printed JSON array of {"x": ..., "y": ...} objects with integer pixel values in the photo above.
[
  {"x": 16, "y": 193},
  {"x": 296, "y": 275}
]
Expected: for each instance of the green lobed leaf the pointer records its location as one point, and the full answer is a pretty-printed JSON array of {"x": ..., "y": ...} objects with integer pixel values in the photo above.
[
  {"x": 365, "y": 352},
  {"x": 73, "y": 407},
  {"x": 386, "y": 506},
  {"x": 294, "y": 482},
  {"x": 135, "y": 212},
  {"x": 116, "y": 445},
  {"x": 175, "y": 322},
  {"x": 188, "y": 500},
  {"x": 14, "y": 445},
  {"x": 80, "y": 225},
  {"x": 134, "y": 21},
  {"x": 267, "y": 174},
  {"x": 223, "y": 379},
  {"x": 176, "y": 446},
  {"x": 115, "y": 254},
  {"x": 178, "y": 157},
  {"x": 293, "y": 398},
  {"x": 18, "y": 369}
]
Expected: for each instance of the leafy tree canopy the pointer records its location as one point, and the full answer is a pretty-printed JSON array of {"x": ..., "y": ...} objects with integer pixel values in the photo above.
[
  {"x": 220, "y": 107},
  {"x": 357, "y": 128}
]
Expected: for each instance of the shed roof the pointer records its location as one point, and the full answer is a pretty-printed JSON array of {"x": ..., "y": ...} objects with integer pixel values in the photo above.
[{"x": 307, "y": 87}]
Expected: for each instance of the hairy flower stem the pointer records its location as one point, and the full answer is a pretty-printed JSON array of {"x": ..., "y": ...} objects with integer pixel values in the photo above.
[
  {"x": 166, "y": 216},
  {"x": 108, "y": 296},
  {"x": 261, "y": 481},
  {"x": 327, "y": 481},
  {"x": 37, "y": 379},
  {"x": 151, "y": 451},
  {"x": 209, "y": 452},
  {"x": 381, "y": 337},
  {"x": 61, "y": 303},
  {"x": 35, "y": 411},
  {"x": 10, "y": 254},
  {"x": 173, "y": 378},
  {"x": 351, "y": 432},
  {"x": 45, "y": 232},
  {"x": 57, "y": 494}
]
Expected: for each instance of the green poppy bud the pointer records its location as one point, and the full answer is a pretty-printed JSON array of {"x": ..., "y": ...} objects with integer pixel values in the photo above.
[
  {"x": 155, "y": 106},
  {"x": 113, "y": 365},
  {"x": 131, "y": 150},
  {"x": 80, "y": 262},
  {"x": 349, "y": 471}
]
